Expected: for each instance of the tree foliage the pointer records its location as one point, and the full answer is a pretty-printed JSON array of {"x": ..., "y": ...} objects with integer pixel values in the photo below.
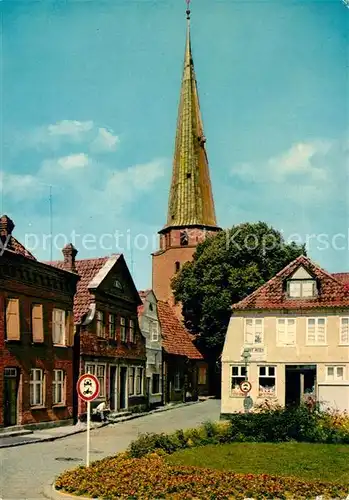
[{"x": 226, "y": 268}]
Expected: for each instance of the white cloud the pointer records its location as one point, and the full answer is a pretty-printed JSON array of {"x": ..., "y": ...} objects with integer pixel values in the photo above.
[
  {"x": 20, "y": 187},
  {"x": 73, "y": 161},
  {"x": 70, "y": 128},
  {"x": 105, "y": 141},
  {"x": 307, "y": 172},
  {"x": 71, "y": 132}
]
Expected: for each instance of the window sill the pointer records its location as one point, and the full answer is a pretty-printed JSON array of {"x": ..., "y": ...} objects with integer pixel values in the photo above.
[
  {"x": 316, "y": 345},
  {"x": 343, "y": 345},
  {"x": 61, "y": 345},
  {"x": 38, "y": 408},
  {"x": 59, "y": 406},
  {"x": 286, "y": 345},
  {"x": 239, "y": 396},
  {"x": 155, "y": 393},
  {"x": 12, "y": 340}
]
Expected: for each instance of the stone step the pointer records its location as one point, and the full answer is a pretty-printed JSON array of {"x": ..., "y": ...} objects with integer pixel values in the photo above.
[
  {"x": 116, "y": 416},
  {"x": 7, "y": 432}
]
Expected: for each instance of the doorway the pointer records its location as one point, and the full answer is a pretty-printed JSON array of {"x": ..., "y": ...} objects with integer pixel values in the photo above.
[
  {"x": 300, "y": 384},
  {"x": 11, "y": 383},
  {"x": 123, "y": 387},
  {"x": 113, "y": 388}
]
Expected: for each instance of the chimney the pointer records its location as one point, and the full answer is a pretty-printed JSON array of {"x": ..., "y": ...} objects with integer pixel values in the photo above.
[
  {"x": 6, "y": 228},
  {"x": 69, "y": 252}
]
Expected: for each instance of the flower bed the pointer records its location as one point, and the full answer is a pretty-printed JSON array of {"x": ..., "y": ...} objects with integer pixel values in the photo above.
[
  {"x": 142, "y": 472},
  {"x": 151, "y": 477}
]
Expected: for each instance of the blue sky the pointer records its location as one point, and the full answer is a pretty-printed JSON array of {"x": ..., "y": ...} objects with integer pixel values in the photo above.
[{"x": 90, "y": 92}]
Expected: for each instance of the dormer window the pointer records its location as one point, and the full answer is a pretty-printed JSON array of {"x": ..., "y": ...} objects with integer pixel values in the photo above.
[
  {"x": 184, "y": 239},
  {"x": 301, "y": 288}
]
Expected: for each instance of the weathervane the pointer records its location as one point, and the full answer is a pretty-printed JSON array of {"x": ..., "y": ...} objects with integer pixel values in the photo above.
[{"x": 188, "y": 9}]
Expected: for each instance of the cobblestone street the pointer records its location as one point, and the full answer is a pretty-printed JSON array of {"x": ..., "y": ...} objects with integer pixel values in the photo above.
[{"x": 25, "y": 470}]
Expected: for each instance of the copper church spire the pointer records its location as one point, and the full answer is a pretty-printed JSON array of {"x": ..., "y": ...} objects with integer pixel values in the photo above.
[{"x": 190, "y": 200}]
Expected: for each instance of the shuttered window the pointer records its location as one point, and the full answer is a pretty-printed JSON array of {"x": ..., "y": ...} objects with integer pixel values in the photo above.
[
  {"x": 131, "y": 333},
  {"x": 253, "y": 331},
  {"x": 58, "y": 326},
  {"x": 316, "y": 331},
  {"x": 122, "y": 329},
  {"x": 69, "y": 327},
  {"x": 12, "y": 320},
  {"x": 344, "y": 331},
  {"x": 286, "y": 331},
  {"x": 37, "y": 323}
]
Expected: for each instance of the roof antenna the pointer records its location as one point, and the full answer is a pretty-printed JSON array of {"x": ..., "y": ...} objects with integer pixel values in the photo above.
[
  {"x": 51, "y": 223},
  {"x": 188, "y": 9}
]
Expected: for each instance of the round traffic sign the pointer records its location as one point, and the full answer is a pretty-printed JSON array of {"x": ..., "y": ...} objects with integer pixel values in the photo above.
[
  {"x": 245, "y": 386},
  {"x": 88, "y": 387}
]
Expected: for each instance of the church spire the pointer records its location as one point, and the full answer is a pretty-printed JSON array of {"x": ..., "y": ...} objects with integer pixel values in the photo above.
[{"x": 190, "y": 201}]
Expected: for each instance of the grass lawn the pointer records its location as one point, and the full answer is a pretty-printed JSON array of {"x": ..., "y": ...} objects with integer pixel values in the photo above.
[{"x": 326, "y": 462}]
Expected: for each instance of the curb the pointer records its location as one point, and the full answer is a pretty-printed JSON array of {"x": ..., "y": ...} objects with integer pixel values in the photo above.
[
  {"x": 79, "y": 431},
  {"x": 51, "y": 493}
]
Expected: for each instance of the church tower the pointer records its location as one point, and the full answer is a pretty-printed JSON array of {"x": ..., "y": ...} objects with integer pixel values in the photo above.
[{"x": 191, "y": 213}]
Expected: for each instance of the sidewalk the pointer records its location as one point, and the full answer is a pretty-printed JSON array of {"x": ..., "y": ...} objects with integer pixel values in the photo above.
[{"x": 20, "y": 438}]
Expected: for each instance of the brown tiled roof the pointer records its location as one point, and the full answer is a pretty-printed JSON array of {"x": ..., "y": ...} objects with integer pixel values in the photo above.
[
  {"x": 17, "y": 247},
  {"x": 175, "y": 337},
  {"x": 342, "y": 277},
  {"x": 272, "y": 295},
  {"x": 87, "y": 269}
]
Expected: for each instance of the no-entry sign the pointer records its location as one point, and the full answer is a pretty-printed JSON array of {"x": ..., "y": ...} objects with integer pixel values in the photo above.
[
  {"x": 88, "y": 387},
  {"x": 245, "y": 386}
]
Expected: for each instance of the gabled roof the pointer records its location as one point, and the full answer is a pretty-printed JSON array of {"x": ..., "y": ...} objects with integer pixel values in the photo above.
[
  {"x": 272, "y": 295},
  {"x": 175, "y": 337},
  {"x": 17, "y": 247},
  {"x": 92, "y": 272},
  {"x": 87, "y": 269}
]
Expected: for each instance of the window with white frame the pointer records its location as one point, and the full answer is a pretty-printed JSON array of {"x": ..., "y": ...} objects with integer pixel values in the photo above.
[
  {"x": 335, "y": 373},
  {"x": 344, "y": 331},
  {"x": 58, "y": 396},
  {"x": 100, "y": 374},
  {"x": 301, "y": 288},
  {"x": 139, "y": 381},
  {"x": 286, "y": 331},
  {"x": 58, "y": 327},
  {"x": 112, "y": 326},
  {"x": 254, "y": 331},
  {"x": 131, "y": 380},
  {"x": 37, "y": 387},
  {"x": 267, "y": 381},
  {"x": 99, "y": 371},
  {"x": 238, "y": 375},
  {"x": 131, "y": 332},
  {"x": 122, "y": 329},
  {"x": 316, "y": 331},
  {"x": 100, "y": 325},
  {"x": 177, "y": 381},
  {"x": 154, "y": 331}
]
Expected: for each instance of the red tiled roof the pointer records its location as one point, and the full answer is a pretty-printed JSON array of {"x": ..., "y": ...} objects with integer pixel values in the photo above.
[
  {"x": 175, "y": 337},
  {"x": 17, "y": 247},
  {"x": 342, "y": 277},
  {"x": 272, "y": 295},
  {"x": 87, "y": 269}
]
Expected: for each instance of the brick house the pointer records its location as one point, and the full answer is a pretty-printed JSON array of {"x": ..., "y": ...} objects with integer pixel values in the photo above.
[
  {"x": 108, "y": 341},
  {"x": 184, "y": 368},
  {"x": 36, "y": 336}
]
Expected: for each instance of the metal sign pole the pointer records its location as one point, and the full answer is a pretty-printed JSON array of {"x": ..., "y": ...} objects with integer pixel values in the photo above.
[{"x": 88, "y": 434}]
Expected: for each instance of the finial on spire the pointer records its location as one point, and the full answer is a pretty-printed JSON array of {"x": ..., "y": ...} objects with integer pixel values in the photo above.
[{"x": 188, "y": 9}]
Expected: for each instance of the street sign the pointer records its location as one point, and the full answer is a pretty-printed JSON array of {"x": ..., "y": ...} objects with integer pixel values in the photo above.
[
  {"x": 245, "y": 386},
  {"x": 88, "y": 387}
]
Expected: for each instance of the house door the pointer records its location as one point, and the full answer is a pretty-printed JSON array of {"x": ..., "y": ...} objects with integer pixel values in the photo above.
[
  {"x": 113, "y": 388},
  {"x": 123, "y": 387},
  {"x": 300, "y": 383},
  {"x": 10, "y": 396}
]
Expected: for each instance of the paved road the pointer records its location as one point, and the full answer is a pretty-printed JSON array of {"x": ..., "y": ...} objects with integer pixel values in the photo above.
[{"x": 25, "y": 470}]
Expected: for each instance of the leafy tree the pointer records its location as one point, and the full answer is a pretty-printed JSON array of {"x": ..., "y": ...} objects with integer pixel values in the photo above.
[{"x": 226, "y": 268}]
